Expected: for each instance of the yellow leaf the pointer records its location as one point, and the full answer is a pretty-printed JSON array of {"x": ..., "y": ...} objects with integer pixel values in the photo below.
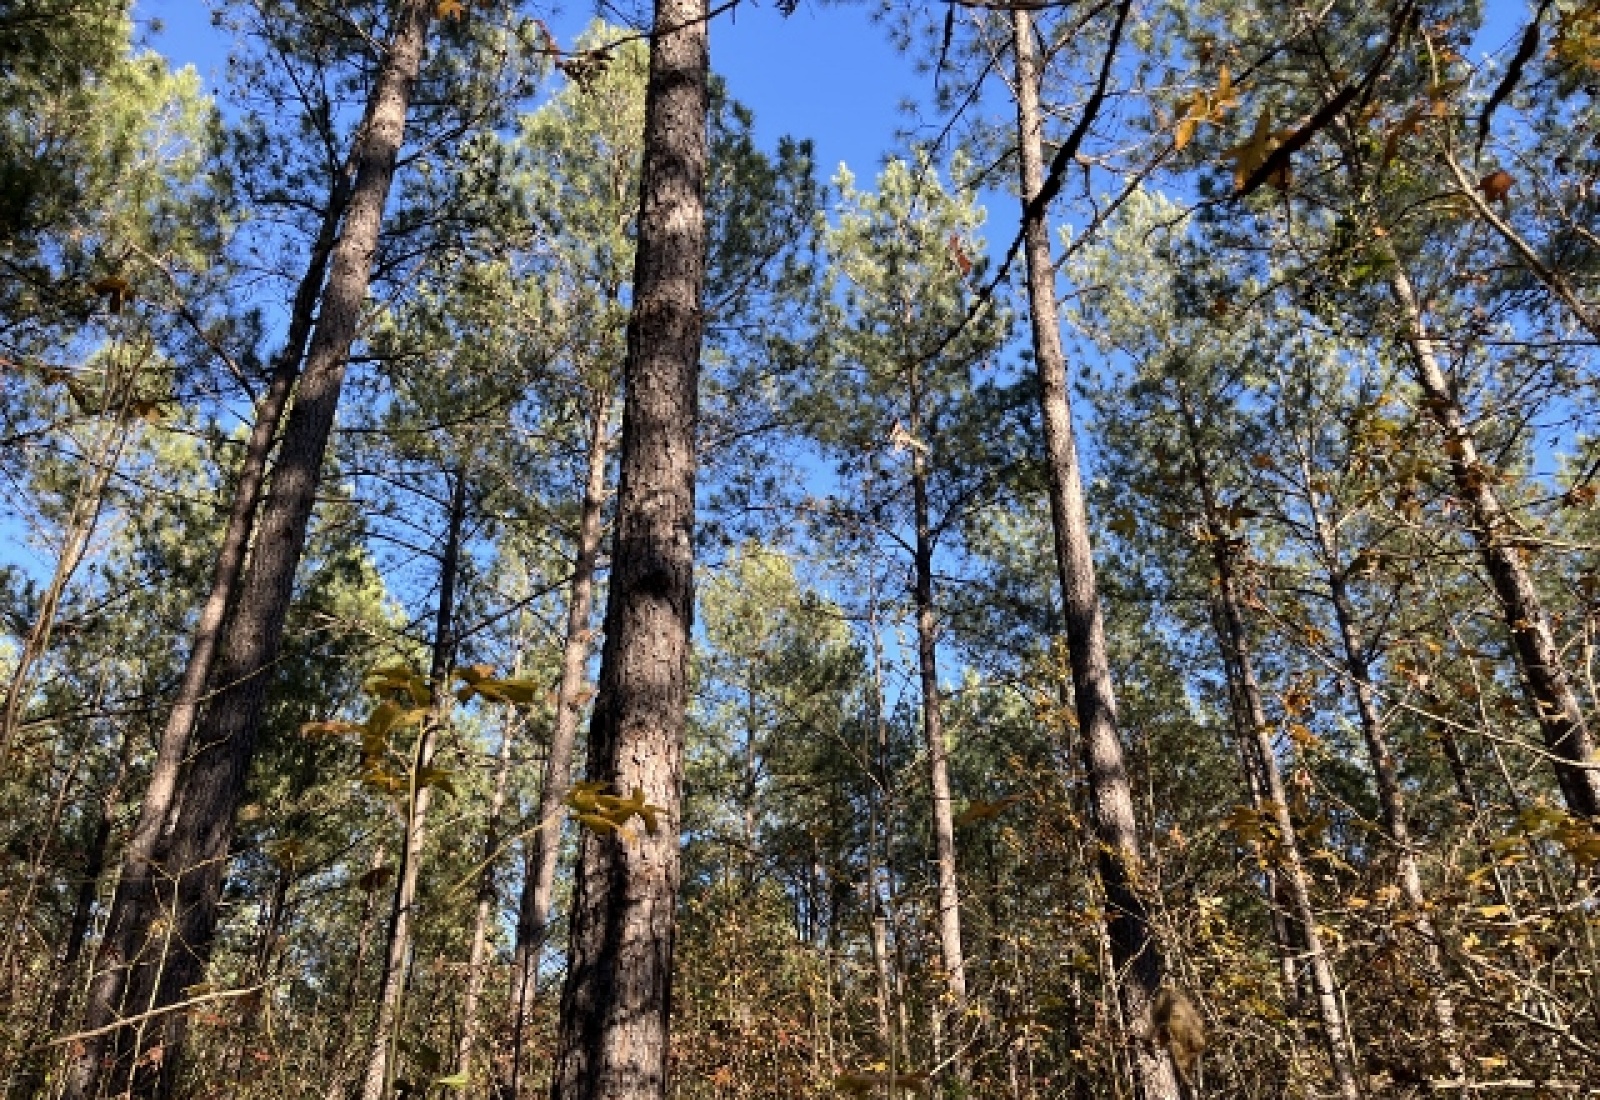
[
  {"x": 986, "y": 811},
  {"x": 1224, "y": 99},
  {"x": 450, "y": 9},
  {"x": 582, "y": 796},
  {"x": 598, "y": 822},
  {"x": 328, "y": 729},
  {"x": 619, "y": 810},
  {"x": 1250, "y": 155},
  {"x": 1183, "y": 134}
]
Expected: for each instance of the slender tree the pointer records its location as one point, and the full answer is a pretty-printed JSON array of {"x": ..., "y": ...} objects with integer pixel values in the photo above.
[{"x": 1135, "y": 954}]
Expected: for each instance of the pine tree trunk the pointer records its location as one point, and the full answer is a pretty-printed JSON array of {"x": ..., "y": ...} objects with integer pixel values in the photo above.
[
  {"x": 88, "y": 500},
  {"x": 483, "y": 912},
  {"x": 1294, "y": 877},
  {"x": 133, "y": 903},
  {"x": 1135, "y": 953},
  {"x": 944, "y": 833},
  {"x": 876, "y": 751},
  {"x": 194, "y": 854},
  {"x": 1283, "y": 937},
  {"x": 538, "y": 888},
  {"x": 419, "y": 795},
  {"x": 1544, "y": 677},
  {"x": 616, "y": 1004},
  {"x": 1391, "y": 799}
]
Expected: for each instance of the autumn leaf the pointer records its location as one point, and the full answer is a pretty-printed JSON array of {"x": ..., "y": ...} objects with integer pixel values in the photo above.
[
  {"x": 1496, "y": 186},
  {"x": 960, "y": 255},
  {"x": 620, "y": 810},
  {"x": 450, "y": 9},
  {"x": 442, "y": 778},
  {"x": 1184, "y": 132},
  {"x": 1250, "y": 155},
  {"x": 986, "y": 811},
  {"x": 329, "y": 729},
  {"x": 598, "y": 822}
]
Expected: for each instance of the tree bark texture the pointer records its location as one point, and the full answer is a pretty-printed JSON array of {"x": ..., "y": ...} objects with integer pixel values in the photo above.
[
  {"x": 134, "y": 900},
  {"x": 612, "y": 1042},
  {"x": 192, "y": 857},
  {"x": 419, "y": 795},
  {"x": 1136, "y": 956},
  {"x": 1545, "y": 681}
]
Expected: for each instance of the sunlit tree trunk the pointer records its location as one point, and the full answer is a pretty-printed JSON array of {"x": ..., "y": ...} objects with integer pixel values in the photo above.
[
  {"x": 615, "y": 1007},
  {"x": 1283, "y": 938},
  {"x": 1391, "y": 799},
  {"x": 1545, "y": 680},
  {"x": 942, "y": 816},
  {"x": 1136, "y": 956},
  {"x": 538, "y": 888},
  {"x": 484, "y": 911},
  {"x": 193, "y": 854},
  {"x": 132, "y": 906}
]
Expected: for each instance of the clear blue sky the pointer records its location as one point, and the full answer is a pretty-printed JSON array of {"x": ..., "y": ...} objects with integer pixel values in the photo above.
[{"x": 827, "y": 73}]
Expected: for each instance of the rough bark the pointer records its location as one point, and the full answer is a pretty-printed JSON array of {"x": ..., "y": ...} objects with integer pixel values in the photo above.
[
  {"x": 419, "y": 795},
  {"x": 612, "y": 1042},
  {"x": 133, "y": 903},
  {"x": 538, "y": 888},
  {"x": 1391, "y": 798},
  {"x": 1545, "y": 681},
  {"x": 1134, "y": 951},
  {"x": 1294, "y": 877},
  {"x": 944, "y": 833},
  {"x": 194, "y": 853}
]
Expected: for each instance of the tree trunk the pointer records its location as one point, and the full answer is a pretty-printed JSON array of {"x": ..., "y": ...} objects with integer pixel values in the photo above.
[
  {"x": 616, "y": 1003},
  {"x": 484, "y": 911},
  {"x": 879, "y": 831},
  {"x": 1135, "y": 954},
  {"x": 1391, "y": 799},
  {"x": 1295, "y": 879},
  {"x": 944, "y": 833},
  {"x": 83, "y": 517},
  {"x": 1544, "y": 678},
  {"x": 1283, "y": 937},
  {"x": 533, "y": 911},
  {"x": 419, "y": 795},
  {"x": 194, "y": 854},
  {"x": 134, "y": 900}
]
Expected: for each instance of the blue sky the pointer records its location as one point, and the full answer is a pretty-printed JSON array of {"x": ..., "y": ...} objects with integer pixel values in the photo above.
[{"x": 827, "y": 73}]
